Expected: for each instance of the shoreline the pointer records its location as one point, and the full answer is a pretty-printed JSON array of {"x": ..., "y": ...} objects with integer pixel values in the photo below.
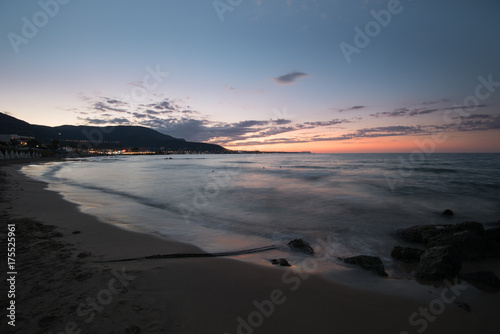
[{"x": 193, "y": 295}]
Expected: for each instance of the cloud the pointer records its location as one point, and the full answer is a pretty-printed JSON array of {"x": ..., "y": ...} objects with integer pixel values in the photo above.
[
  {"x": 289, "y": 78},
  {"x": 327, "y": 123},
  {"x": 399, "y": 112},
  {"x": 101, "y": 106},
  {"x": 386, "y": 131},
  {"x": 351, "y": 108},
  {"x": 107, "y": 121},
  {"x": 175, "y": 118},
  {"x": 281, "y": 121},
  {"x": 435, "y": 102},
  {"x": 172, "y": 117}
]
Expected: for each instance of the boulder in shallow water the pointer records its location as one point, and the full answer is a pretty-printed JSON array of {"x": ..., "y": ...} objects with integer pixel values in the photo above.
[
  {"x": 423, "y": 233},
  {"x": 418, "y": 233},
  {"x": 475, "y": 227},
  {"x": 407, "y": 254},
  {"x": 300, "y": 245},
  {"x": 439, "y": 263},
  {"x": 470, "y": 245},
  {"x": 447, "y": 212},
  {"x": 371, "y": 263}
]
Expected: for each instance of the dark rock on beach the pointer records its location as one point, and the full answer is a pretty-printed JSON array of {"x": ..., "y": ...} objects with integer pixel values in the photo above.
[
  {"x": 407, "y": 254},
  {"x": 300, "y": 245},
  {"x": 371, "y": 263},
  {"x": 470, "y": 245},
  {"x": 422, "y": 233},
  {"x": 475, "y": 227},
  {"x": 419, "y": 233},
  {"x": 438, "y": 263},
  {"x": 282, "y": 262}
]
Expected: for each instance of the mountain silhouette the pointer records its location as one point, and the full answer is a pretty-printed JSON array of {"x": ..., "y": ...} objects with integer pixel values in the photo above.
[{"x": 103, "y": 137}]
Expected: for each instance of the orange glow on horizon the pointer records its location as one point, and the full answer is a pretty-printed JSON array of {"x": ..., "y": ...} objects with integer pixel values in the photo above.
[{"x": 462, "y": 142}]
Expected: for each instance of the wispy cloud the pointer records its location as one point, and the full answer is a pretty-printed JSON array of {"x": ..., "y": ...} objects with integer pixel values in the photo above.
[
  {"x": 400, "y": 112},
  {"x": 426, "y": 103},
  {"x": 351, "y": 108},
  {"x": 175, "y": 118},
  {"x": 289, "y": 78}
]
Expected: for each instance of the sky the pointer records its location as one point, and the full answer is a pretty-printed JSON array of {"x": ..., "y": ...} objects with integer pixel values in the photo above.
[{"x": 292, "y": 75}]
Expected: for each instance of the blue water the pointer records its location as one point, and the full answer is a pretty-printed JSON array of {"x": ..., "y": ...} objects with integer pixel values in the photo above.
[{"x": 352, "y": 202}]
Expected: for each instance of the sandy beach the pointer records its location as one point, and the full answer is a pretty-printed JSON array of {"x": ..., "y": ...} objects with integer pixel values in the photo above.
[{"x": 64, "y": 284}]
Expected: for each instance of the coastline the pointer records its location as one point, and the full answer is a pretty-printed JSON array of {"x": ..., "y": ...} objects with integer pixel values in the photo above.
[{"x": 67, "y": 289}]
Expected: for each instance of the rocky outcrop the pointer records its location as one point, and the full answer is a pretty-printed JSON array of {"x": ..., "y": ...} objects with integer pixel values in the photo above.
[
  {"x": 371, "y": 263},
  {"x": 423, "y": 233},
  {"x": 407, "y": 254},
  {"x": 300, "y": 245},
  {"x": 419, "y": 233},
  {"x": 470, "y": 245},
  {"x": 439, "y": 263},
  {"x": 282, "y": 262}
]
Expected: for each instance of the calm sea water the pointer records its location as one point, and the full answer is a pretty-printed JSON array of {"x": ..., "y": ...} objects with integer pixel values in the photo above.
[{"x": 343, "y": 204}]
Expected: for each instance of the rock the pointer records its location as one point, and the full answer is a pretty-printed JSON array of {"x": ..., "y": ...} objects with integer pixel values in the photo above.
[
  {"x": 485, "y": 277},
  {"x": 422, "y": 233},
  {"x": 300, "y": 245},
  {"x": 371, "y": 263},
  {"x": 438, "y": 263},
  {"x": 477, "y": 228},
  {"x": 282, "y": 262},
  {"x": 419, "y": 233},
  {"x": 447, "y": 212},
  {"x": 407, "y": 254},
  {"x": 470, "y": 245},
  {"x": 76, "y": 232},
  {"x": 492, "y": 234}
]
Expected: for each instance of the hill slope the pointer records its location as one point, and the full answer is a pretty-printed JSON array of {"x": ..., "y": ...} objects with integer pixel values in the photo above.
[{"x": 103, "y": 137}]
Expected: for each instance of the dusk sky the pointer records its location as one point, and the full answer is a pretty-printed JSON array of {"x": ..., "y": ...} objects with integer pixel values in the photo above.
[{"x": 320, "y": 76}]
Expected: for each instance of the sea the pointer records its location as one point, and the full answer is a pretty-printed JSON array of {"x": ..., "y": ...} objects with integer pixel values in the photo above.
[{"x": 342, "y": 204}]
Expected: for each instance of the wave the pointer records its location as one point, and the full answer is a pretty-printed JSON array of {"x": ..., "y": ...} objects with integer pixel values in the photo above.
[{"x": 138, "y": 199}]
